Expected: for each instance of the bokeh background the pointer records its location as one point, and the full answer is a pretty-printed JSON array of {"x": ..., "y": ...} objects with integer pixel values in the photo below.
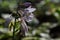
[{"x": 43, "y": 8}]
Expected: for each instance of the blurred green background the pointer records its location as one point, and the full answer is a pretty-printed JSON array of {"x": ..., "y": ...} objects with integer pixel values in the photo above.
[{"x": 43, "y": 6}]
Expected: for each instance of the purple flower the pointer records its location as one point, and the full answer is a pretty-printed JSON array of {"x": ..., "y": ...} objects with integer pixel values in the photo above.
[{"x": 27, "y": 4}]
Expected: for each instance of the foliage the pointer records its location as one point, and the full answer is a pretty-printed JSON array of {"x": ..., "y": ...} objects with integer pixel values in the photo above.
[{"x": 34, "y": 33}]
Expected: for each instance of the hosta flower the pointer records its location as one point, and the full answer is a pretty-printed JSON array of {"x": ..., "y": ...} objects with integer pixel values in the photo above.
[{"x": 27, "y": 4}]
